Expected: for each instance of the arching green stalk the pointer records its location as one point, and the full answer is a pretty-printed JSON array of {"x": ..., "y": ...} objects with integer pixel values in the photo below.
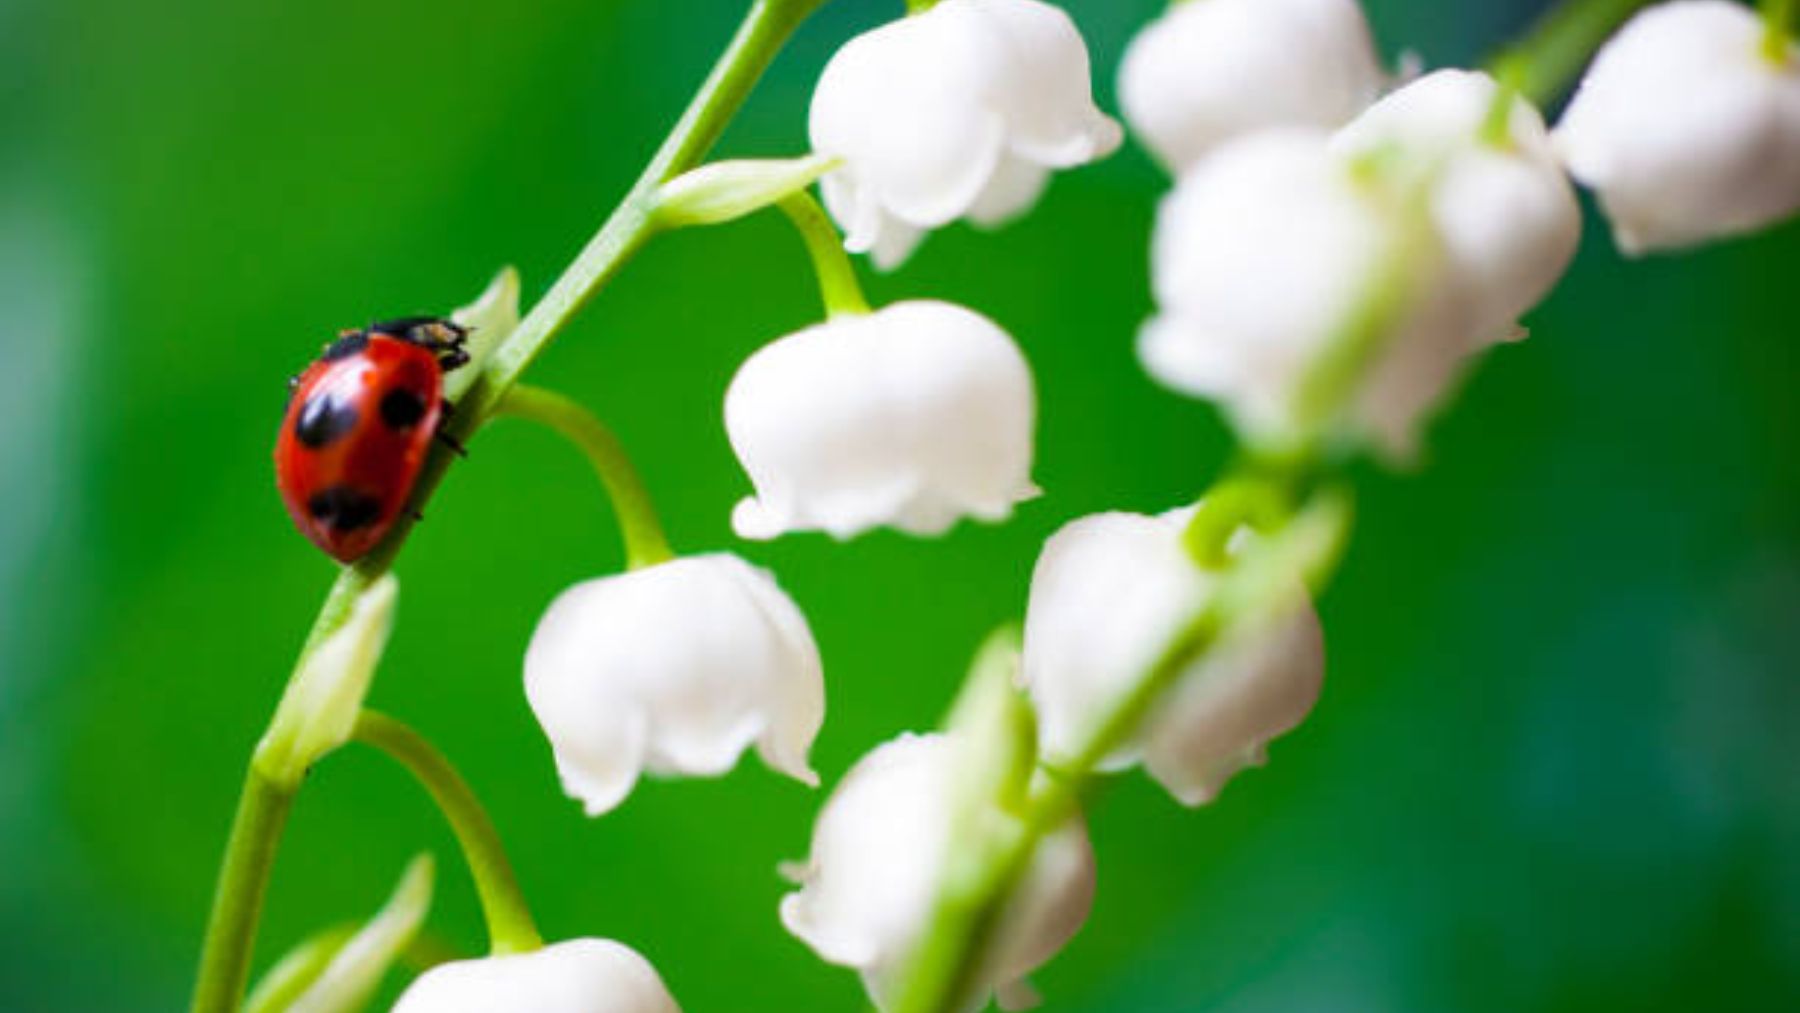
[
  {"x": 641, "y": 529},
  {"x": 838, "y": 287},
  {"x": 510, "y": 928}
]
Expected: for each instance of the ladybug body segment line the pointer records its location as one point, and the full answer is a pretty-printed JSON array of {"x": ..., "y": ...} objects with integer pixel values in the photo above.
[{"x": 358, "y": 427}]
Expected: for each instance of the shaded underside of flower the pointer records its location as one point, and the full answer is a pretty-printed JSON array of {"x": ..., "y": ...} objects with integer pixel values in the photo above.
[
  {"x": 911, "y": 417},
  {"x": 673, "y": 669}
]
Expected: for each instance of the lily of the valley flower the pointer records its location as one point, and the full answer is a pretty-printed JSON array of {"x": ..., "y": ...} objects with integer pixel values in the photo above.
[
  {"x": 1506, "y": 213},
  {"x": 1687, "y": 127},
  {"x": 1210, "y": 70},
  {"x": 1109, "y": 593},
  {"x": 575, "y": 976},
  {"x": 1262, "y": 255},
  {"x": 912, "y": 416},
  {"x": 959, "y": 111},
  {"x": 879, "y": 854},
  {"x": 673, "y": 669}
]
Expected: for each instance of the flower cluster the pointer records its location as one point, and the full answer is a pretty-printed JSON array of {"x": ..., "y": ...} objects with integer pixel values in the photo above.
[
  {"x": 1312, "y": 191},
  {"x": 1337, "y": 248},
  {"x": 1294, "y": 178}
]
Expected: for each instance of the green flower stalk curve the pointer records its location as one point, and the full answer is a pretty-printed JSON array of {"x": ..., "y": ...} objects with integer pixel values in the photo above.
[
  {"x": 641, "y": 529},
  {"x": 838, "y": 287},
  {"x": 508, "y": 917}
]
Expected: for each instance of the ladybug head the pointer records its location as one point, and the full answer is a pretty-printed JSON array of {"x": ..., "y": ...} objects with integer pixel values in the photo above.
[{"x": 437, "y": 334}]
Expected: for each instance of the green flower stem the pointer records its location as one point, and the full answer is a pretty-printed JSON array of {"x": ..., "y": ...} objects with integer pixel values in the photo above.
[
  {"x": 837, "y": 275},
  {"x": 225, "y": 955},
  {"x": 1556, "y": 49},
  {"x": 262, "y": 812},
  {"x": 645, "y": 543},
  {"x": 1778, "y": 20},
  {"x": 510, "y": 928},
  {"x": 1246, "y": 497}
]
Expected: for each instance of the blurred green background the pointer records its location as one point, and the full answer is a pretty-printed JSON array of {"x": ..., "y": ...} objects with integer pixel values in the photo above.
[{"x": 1554, "y": 766}]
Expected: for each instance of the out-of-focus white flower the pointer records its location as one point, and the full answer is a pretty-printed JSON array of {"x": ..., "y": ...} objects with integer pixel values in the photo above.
[
  {"x": 673, "y": 669},
  {"x": 1506, "y": 213},
  {"x": 879, "y": 854},
  {"x": 1210, "y": 70},
  {"x": 574, "y": 976},
  {"x": 911, "y": 416},
  {"x": 960, "y": 111},
  {"x": 1262, "y": 254},
  {"x": 1109, "y": 594},
  {"x": 1686, "y": 128}
]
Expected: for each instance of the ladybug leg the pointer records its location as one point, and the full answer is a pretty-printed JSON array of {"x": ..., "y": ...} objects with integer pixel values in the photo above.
[
  {"x": 453, "y": 356},
  {"x": 414, "y": 513},
  {"x": 455, "y": 445}
]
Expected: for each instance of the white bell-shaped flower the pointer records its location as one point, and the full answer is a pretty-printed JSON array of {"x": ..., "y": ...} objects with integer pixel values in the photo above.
[
  {"x": 673, "y": 669},
  {"x": 1686, "y": 127},
  {"x": 1109, "y": 594},
  {"x": 1262, "y": 254},
  {"x": 912, "y": 416},
  {"x": 1505, "y": 211},
  {"x": 1209, "y": 70},
  {"x": 574, "y": 976},
  {"x": 959, "y": 111},
  {"x": 879, "y": 853}
]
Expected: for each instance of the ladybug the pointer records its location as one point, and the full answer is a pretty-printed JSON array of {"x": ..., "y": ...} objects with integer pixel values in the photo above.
[{"x": 358, "y": 424}]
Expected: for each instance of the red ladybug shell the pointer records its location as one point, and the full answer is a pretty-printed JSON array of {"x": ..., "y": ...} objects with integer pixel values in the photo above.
[{"x": 355, "y": 435}]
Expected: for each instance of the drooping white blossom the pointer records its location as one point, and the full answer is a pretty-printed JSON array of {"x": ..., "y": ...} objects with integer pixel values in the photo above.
[
  {"x": 1209, "y": 70},
  {"x": 673, "y": 669},
  {"x": 879, "y": 853},
  {"x": 1109, "y": 593},
  {"x": 574, "y": 976},
  {"x": 1686, "y": 128},
  {"x": 1505, "y": 211},
  {"x": 1262, "y": 254},
  {"x": 960, "y": 111},
  {"x": 912, "y": 416}
]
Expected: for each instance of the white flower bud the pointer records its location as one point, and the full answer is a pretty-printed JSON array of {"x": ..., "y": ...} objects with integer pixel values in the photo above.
[
  {"x": 880, "y": 852},
  {"x": 673, "y": 669},
  {"x": 912, "y": 416},
  {"x": 960, "y": 111},
  {"x": 1109, "y": 594},
  {"x": 1209, "y": 70},
  {"x": 1506, "y": 213},
  {"x": 1262, "y": 255},
  {"x": 318, "y": 710},
  {"x": 1686, "y": 128},
  {"x": 489, "y": 319},
  {"x": 574, "y": 976}
]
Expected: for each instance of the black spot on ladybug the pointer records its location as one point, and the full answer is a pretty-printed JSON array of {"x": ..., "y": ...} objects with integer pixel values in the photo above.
[
  {"x": 323, "y": 420},
  {"x": 401, "y": 409},
  {"x": 343, "y": 507},
  {"x": 346, "y": 346}
]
